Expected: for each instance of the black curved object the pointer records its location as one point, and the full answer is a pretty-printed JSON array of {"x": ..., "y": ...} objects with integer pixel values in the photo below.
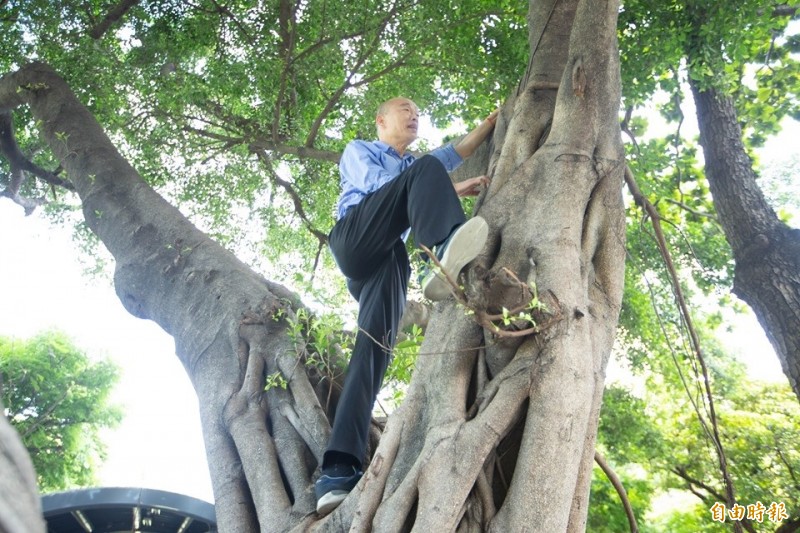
[{"x": 117, "y": 510}]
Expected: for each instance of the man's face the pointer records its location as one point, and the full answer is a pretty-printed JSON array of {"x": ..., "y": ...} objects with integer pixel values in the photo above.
[{"x": 399, "y": 122}]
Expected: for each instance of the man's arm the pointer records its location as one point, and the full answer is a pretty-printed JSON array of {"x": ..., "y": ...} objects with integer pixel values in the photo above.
[
  {"x": 473, "y": 139},
  {"x": 472, "y": 186}
]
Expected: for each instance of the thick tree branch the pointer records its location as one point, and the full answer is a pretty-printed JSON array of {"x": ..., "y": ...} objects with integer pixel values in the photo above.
[
  {"x": 304, "y": 152},
  {"x": 18, "y": 161},
  {"x": 784, "y": 11},
  {"x": 116, "y": 13},
  {"x": 29, "y": 205},
  {"x": 20, "y": 165},
  {"x": 168, "y": 271},
  {"x": 288, "y": 32}
]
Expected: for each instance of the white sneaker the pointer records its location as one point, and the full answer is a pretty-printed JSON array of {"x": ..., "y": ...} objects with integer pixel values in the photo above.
[{"x": 463, "y": 245}]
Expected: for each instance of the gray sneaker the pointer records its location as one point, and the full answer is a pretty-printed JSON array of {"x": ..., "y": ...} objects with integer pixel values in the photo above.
[{"x": 463, "y": 245}]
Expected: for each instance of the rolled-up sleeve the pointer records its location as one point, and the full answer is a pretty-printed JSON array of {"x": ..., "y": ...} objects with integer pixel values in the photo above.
[{"x": 448, "y": 156}]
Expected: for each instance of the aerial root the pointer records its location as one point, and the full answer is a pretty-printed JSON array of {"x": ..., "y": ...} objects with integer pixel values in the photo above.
[{"x": 537, "y": 313}]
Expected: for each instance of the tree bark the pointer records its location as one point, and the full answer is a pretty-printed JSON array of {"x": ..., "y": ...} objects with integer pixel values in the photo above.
[
  {"x": 20, "y": 509},
  {"x": 766, "y": 251}
]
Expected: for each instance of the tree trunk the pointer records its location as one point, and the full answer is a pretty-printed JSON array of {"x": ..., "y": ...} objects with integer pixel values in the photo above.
[
  {"x": 498, "y": 428},
  {"x": 766, "y": 251},
  {"x": 20, "y": 509},
  {"x": 497, "y": 433}
]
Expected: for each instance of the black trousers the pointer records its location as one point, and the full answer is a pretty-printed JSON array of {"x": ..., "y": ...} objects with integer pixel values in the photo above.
[{"x": 368, "y": 248}]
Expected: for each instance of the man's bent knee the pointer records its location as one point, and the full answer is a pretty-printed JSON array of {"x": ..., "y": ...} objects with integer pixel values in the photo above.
[{"x": 429, "y": 163}]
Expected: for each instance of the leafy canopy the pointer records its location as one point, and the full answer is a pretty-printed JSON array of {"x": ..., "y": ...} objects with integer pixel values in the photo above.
[{"x": 194, "y": 91}]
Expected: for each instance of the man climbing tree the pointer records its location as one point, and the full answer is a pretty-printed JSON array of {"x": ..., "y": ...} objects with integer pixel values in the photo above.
[
  {"x": 501, "y": 388},
  {"x": 386, "y": 191}
]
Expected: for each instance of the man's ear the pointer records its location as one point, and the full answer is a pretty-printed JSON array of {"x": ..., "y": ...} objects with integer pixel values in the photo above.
[{"x": 380, "y": 121}]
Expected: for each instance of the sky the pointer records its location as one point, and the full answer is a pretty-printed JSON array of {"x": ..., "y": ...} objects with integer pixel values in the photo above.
[{"x": 159, "y": 443}]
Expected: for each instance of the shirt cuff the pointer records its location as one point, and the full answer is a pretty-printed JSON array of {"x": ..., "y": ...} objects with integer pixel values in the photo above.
[{"x": 449, "y": 157}]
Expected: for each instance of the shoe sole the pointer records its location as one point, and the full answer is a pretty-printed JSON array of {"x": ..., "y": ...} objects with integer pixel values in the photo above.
[
  {"x": 465, "y": 245},
  {"x": 331, "y": 501}
]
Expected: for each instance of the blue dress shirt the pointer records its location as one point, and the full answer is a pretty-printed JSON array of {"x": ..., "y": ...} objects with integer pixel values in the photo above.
[{"x": 366, "y": 166}]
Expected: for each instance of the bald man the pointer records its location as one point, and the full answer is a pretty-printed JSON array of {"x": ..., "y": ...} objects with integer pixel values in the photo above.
[{"x": 386, "y": 192}]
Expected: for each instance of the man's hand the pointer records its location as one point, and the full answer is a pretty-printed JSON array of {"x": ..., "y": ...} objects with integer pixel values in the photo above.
[
  {"x": 472, "y": 186},
  {"x": 473, "y": 139}
]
